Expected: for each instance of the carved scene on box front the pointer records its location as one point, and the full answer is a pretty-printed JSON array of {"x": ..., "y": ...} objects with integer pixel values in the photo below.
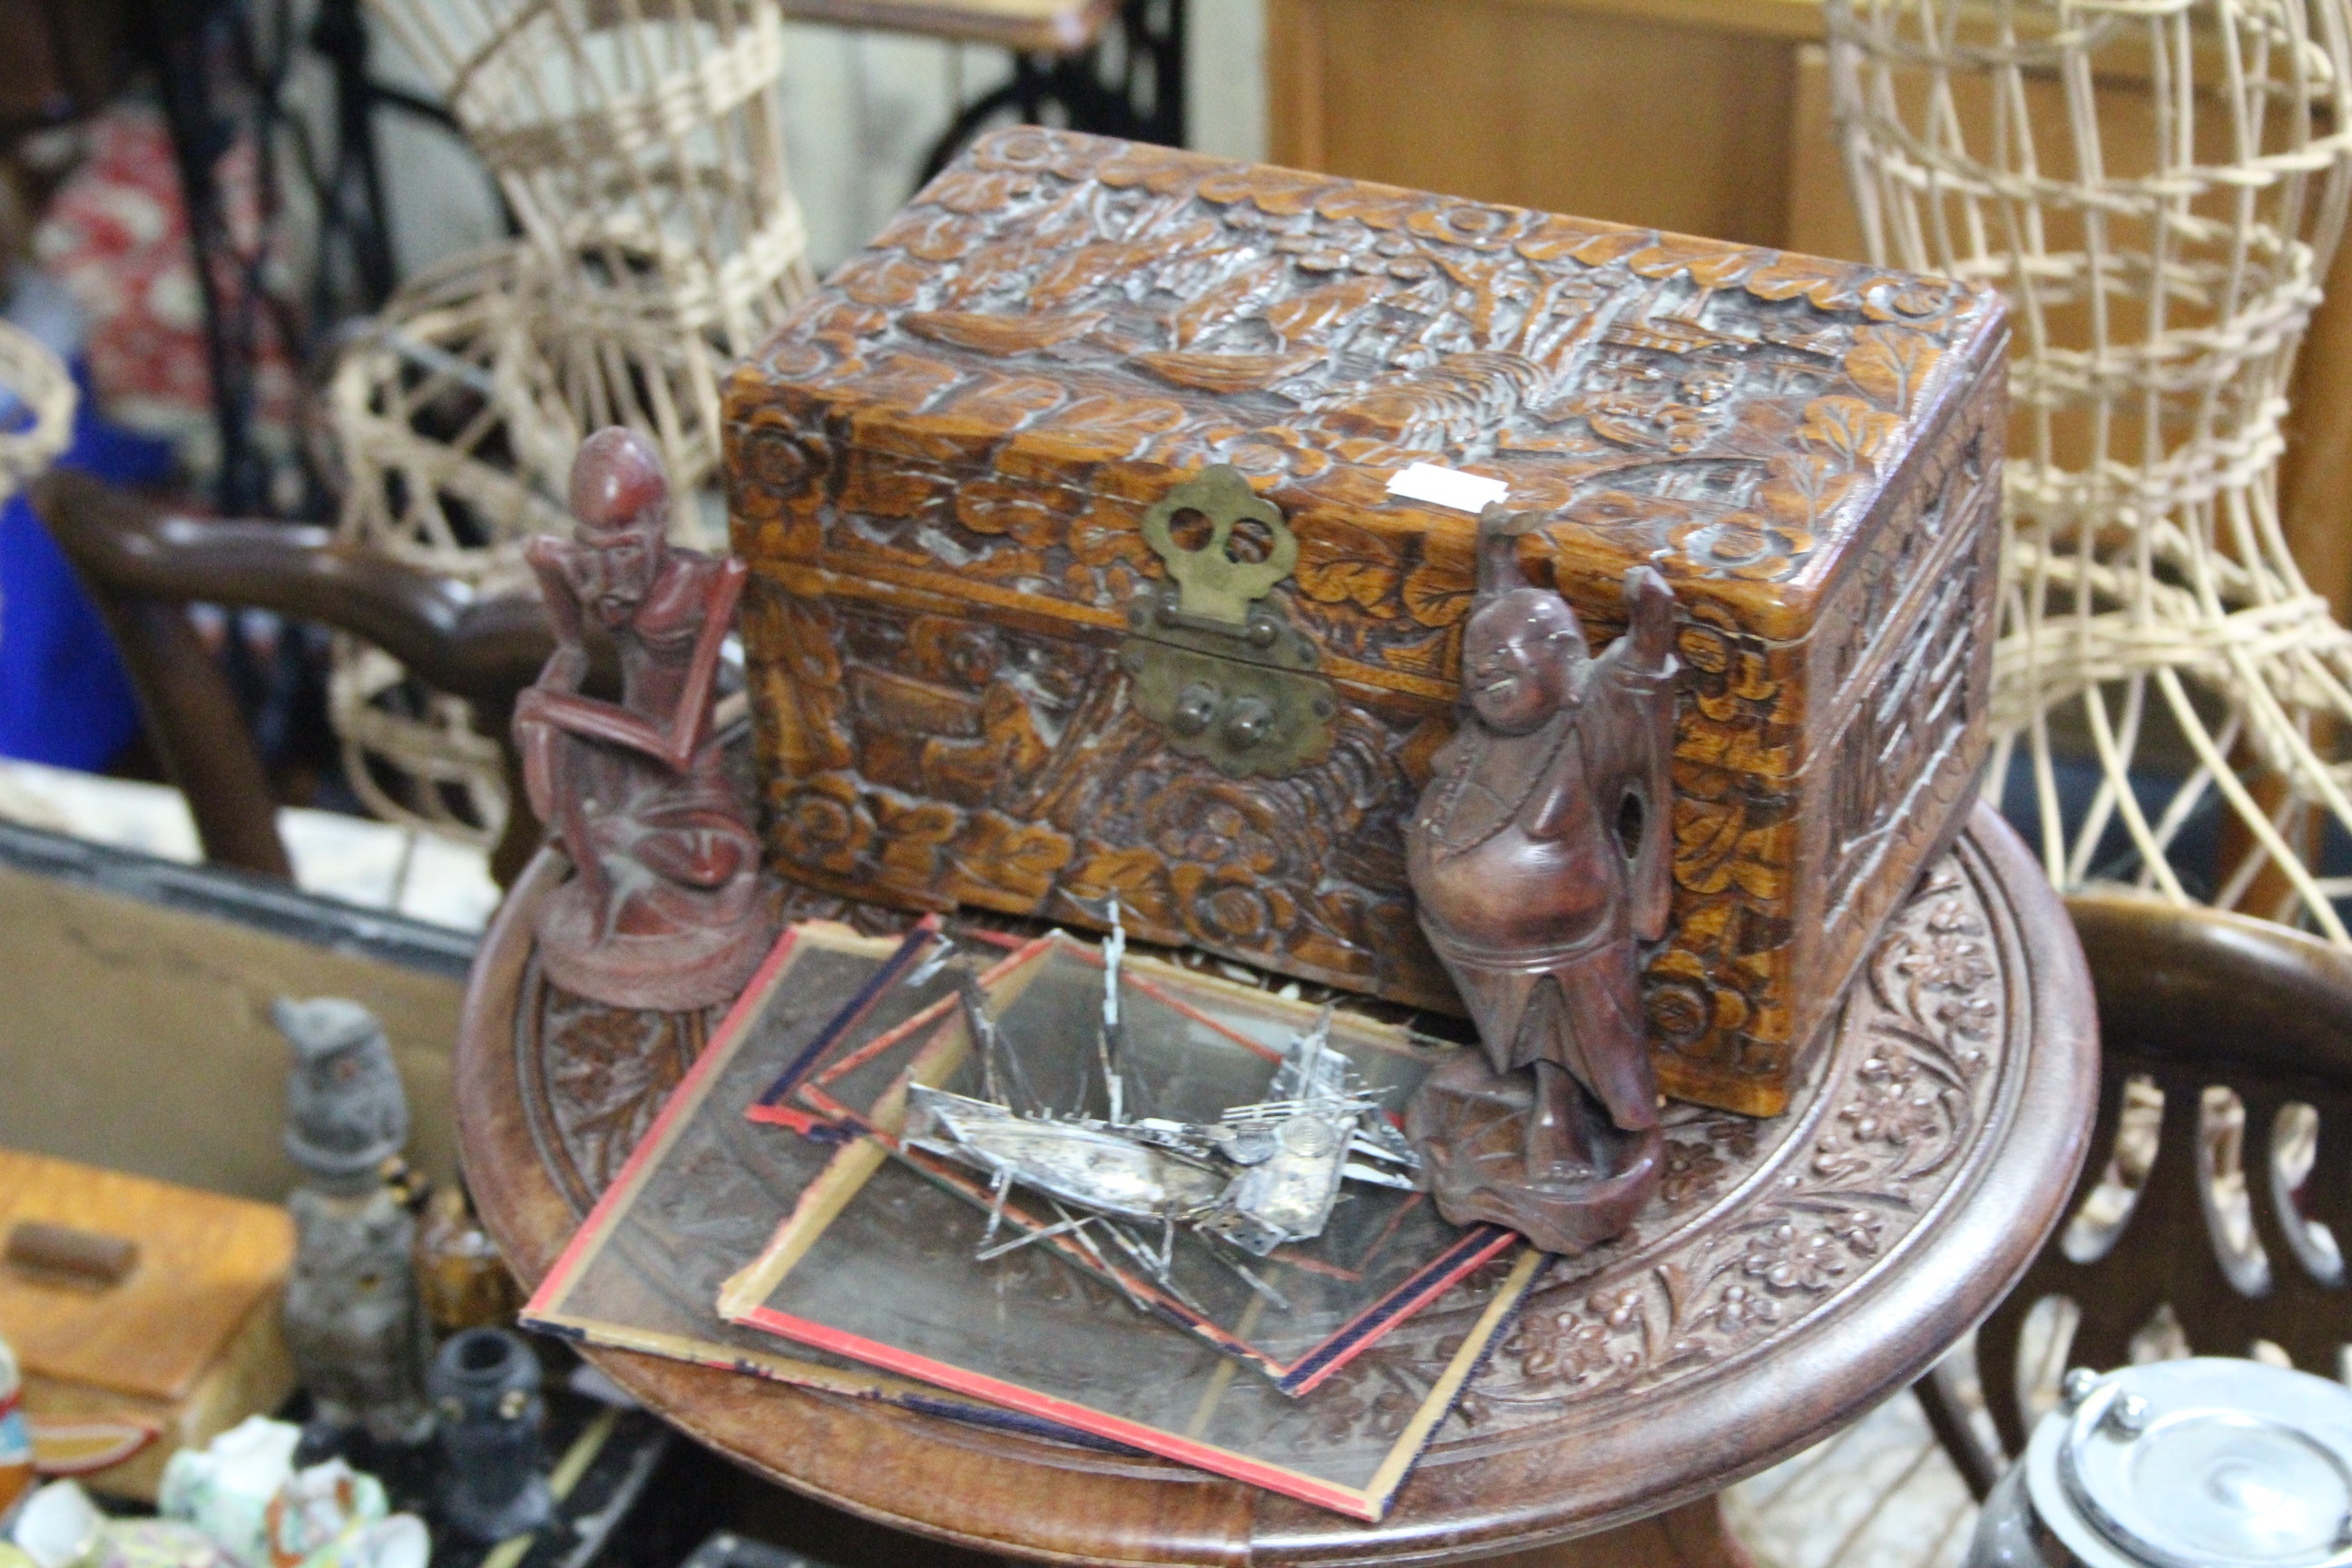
[{"x": 940, "y": 467}]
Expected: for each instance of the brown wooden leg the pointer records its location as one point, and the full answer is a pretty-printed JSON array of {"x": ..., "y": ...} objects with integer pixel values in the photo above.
[
  {"x": 200, "y": 734},
  {"x": 1691, "y": 1536}
]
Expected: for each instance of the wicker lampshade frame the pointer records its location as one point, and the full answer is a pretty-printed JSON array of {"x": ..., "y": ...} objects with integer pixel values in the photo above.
[
  {"x": 2162, "y": 244},
  {"x": 640, "y": 145}
]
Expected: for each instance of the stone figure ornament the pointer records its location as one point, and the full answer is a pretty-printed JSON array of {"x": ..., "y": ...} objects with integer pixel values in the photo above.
[
  {"x": 354, "y": 1322},
  {"x": 664, "y": 909},
  {"x": 1540, "y": 857},
  {"x": 346, "y": 1112}
]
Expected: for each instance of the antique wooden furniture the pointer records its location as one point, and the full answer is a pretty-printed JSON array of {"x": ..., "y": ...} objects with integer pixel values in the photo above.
[
  {"x": 2211, "y": 1216},
  {"x": 185, "y": 1343},
  {"x": 144, "y": 566},
  {"x": 942, "y": 467},
  {"x": 1797, "y": 1270}
]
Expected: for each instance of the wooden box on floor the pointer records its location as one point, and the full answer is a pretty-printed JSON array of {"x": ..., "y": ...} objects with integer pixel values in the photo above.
[{"x": 186, "y": 1342}]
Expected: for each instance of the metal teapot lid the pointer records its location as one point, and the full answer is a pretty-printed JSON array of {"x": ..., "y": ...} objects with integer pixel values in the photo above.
[{"x": 2212, "y": 1463}]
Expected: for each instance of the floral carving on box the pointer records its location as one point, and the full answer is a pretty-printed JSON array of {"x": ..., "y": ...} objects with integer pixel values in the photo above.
[{"x": 936, "y": 471}]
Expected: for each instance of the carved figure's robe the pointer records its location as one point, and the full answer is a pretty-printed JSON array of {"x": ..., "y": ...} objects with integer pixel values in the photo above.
[
  {"x": 647, "y": 825},
  {"x": 1528, "y": 894}
]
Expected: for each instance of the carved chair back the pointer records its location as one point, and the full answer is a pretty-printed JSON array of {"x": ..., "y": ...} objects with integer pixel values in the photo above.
[{"x": 2212, "y": 1213}]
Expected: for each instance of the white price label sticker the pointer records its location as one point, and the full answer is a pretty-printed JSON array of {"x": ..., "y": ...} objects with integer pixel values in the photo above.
[{"x": 1447, "y": 487}]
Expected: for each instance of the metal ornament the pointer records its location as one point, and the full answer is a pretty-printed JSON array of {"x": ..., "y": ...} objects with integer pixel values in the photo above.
[
  {"x": 486, "y": 1391},
  {"x": 1261, "y": 1175},
  {"x": 1218, "y": 669}
]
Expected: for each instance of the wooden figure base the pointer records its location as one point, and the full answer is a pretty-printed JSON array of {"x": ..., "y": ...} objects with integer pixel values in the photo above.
[
  {"x": 703, "y": 962},
  {"x": 1789, "y": 1275},
  {"x": 1470, "y": 1124}
]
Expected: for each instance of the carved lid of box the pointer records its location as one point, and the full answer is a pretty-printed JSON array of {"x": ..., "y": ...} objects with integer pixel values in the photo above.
[{"x": 940, "y": 467}]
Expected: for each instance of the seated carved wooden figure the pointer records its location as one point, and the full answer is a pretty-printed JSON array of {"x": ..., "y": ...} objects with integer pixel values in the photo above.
[
  {"x": 664, "y": 909},
  {"x": 1540, "y": 860}
]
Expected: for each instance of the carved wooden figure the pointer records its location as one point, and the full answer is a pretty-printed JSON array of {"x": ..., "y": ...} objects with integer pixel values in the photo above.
[
  {"x": 664, "y": 909},
  {"x": 1540, "y": 860}
]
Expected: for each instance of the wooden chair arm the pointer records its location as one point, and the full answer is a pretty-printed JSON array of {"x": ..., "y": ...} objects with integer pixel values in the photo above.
[
  {"x": 142, "y": 564},
  {"x": 484, "y": 650}
]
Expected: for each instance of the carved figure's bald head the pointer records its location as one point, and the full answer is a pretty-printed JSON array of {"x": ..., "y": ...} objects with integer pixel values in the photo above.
[
  {"x": 617, "y": 483},
  {"x": 1517, "y": 653}
]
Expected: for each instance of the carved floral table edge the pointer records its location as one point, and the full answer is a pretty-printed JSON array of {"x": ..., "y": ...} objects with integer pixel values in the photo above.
[{"x": 1838, "y": 1252}]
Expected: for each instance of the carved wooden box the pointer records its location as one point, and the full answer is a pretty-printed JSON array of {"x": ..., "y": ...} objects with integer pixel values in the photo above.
[{"x": 981, "y": 678}]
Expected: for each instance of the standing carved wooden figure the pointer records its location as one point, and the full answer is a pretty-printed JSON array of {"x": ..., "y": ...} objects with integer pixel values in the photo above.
[
  {"x": 663, "y": 907},
  {"x": 1540, "y": 860}
]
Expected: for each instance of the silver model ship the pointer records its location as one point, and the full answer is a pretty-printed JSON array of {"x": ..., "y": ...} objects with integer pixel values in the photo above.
[{"x": 1261, "y": 1175}]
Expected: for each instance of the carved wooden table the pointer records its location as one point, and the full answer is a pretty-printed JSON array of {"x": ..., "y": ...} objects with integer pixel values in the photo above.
[{"x": 1791, "y": 1273}]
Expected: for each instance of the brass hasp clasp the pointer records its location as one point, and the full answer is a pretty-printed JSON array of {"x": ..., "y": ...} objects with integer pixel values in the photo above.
[{"x": 1217, "y": 669}]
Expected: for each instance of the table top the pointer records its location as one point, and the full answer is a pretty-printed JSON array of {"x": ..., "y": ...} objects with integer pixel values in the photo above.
[{"x": 1790, "y": 1274}]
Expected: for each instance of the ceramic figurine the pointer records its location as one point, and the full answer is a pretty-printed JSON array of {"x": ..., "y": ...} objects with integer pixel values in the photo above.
[
  {"x": 346, "y": 1113},
  {"x": 664, "y": 909},
  {"x": 157, "y": 1544},
  {"x": 224, "y": 1489},
  {"x": 1540, "y": 858},
  {"x": 331, "y": 1516},
  {"x": 354, "y": 1322},
  {"x": 243, "y": 1492},
  {"x": 57, "y": 1526},
  {"x": 486, "y": 1392}
]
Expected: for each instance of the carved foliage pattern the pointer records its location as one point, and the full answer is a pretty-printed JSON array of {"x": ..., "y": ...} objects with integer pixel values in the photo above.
[
  {"x": 595, "y": 1079},
  {"x": 979, "y": 407}
]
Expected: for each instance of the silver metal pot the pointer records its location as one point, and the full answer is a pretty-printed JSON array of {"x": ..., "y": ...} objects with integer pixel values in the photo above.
[{"x": 2206, "y": 1463}]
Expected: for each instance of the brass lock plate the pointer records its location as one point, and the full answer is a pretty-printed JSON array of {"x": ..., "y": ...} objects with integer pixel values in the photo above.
[{"x": 1222, "y": 673}]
